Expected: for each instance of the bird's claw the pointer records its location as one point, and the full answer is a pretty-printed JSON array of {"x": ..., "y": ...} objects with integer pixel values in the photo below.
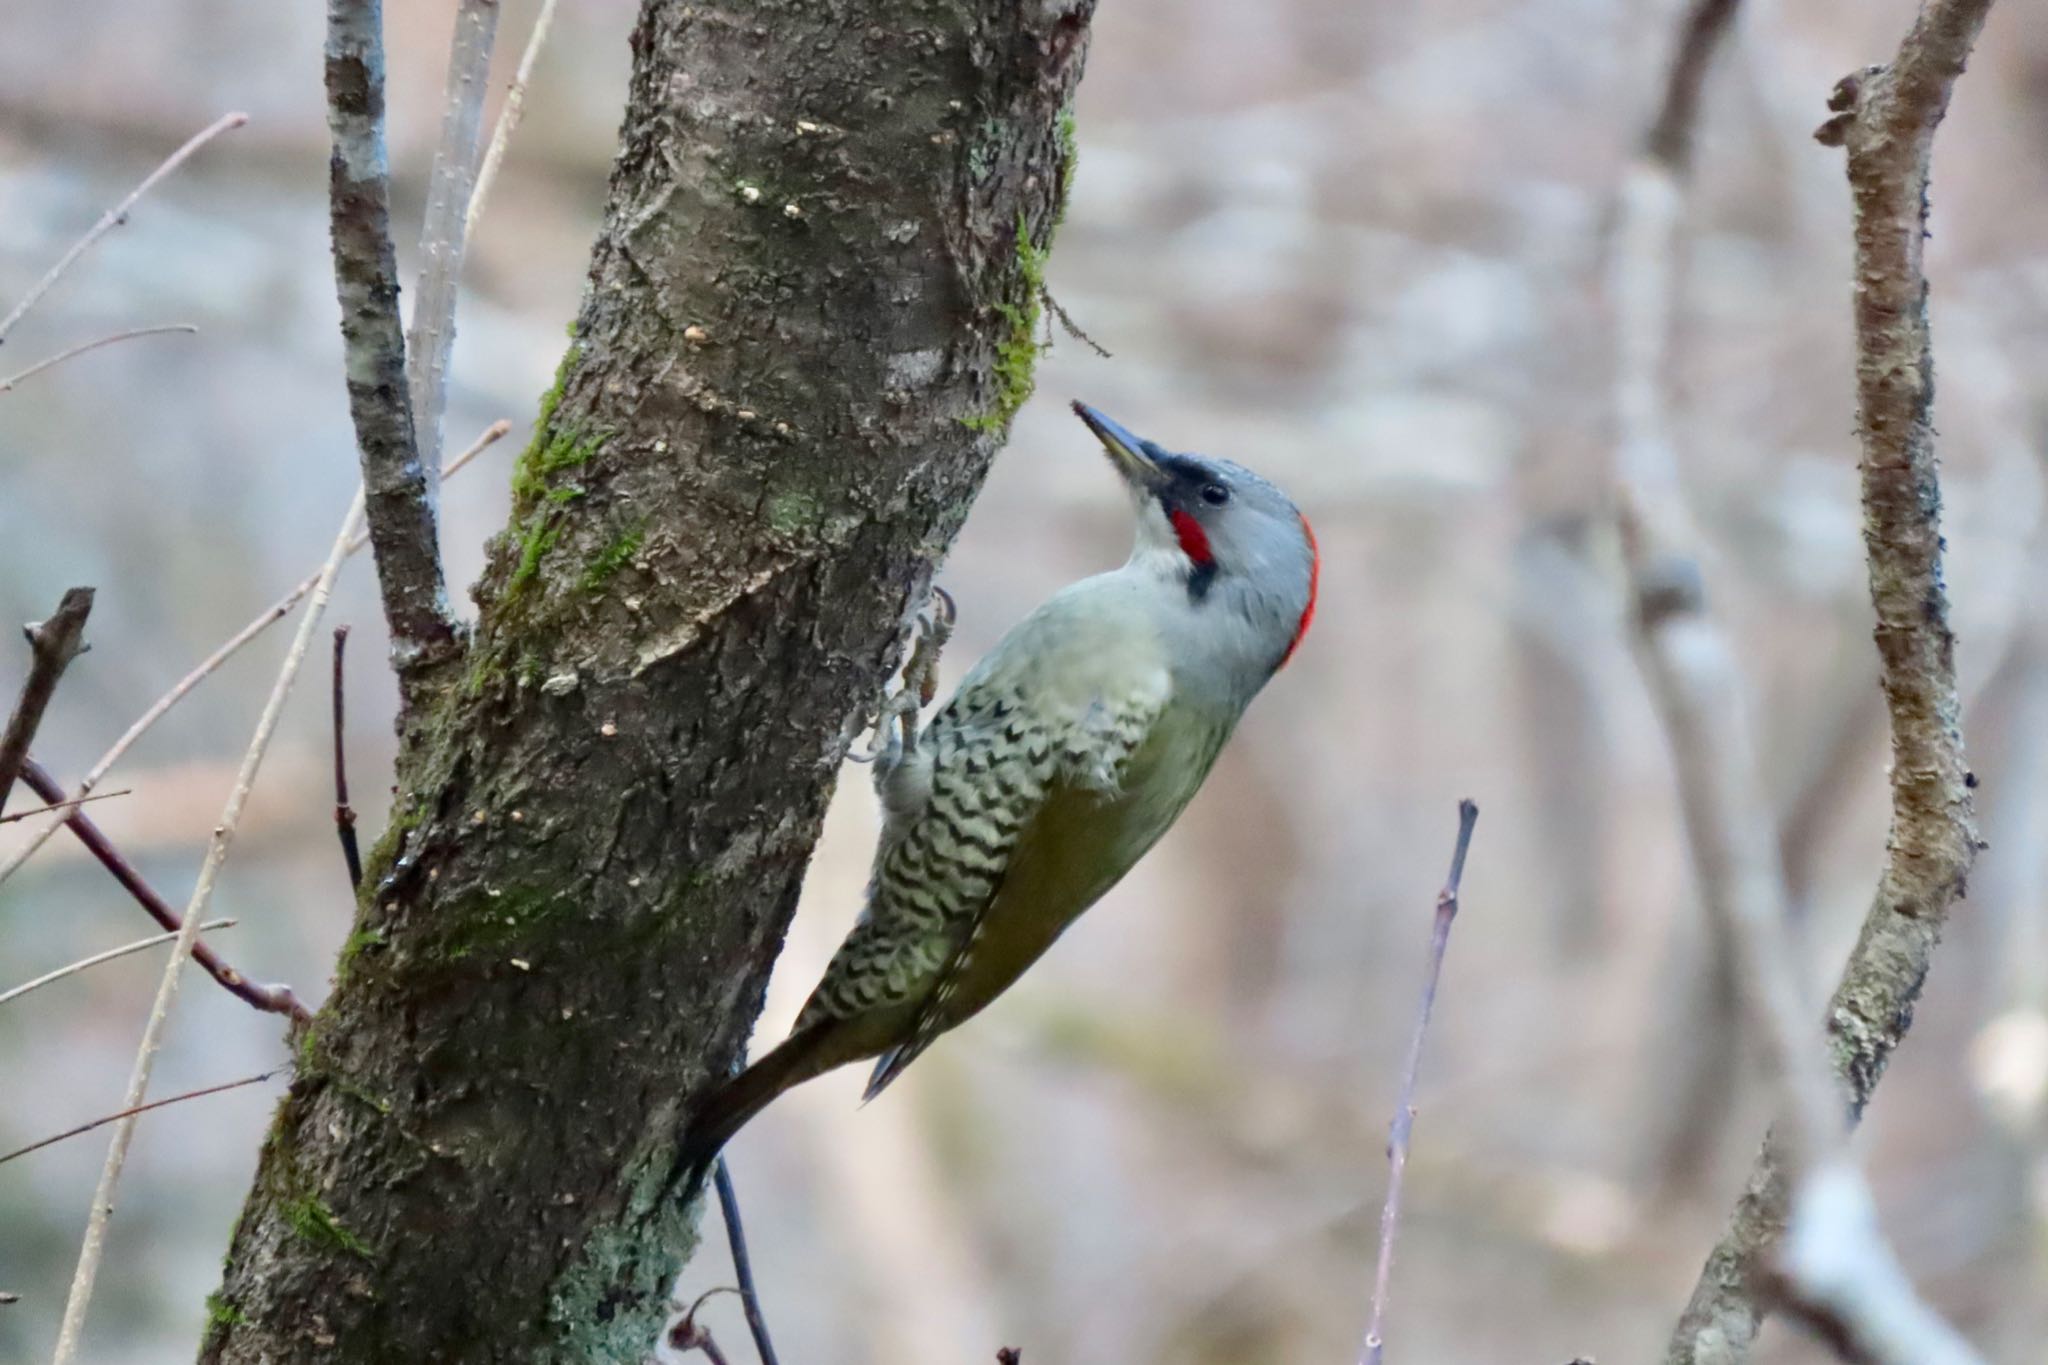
[{"x": 920, "y": 682}]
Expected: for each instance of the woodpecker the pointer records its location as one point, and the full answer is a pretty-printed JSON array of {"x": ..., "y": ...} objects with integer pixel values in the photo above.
[{"x": 1064, "y": 756}]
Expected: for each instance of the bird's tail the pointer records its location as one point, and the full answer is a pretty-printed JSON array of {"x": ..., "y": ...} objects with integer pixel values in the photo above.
[{"x": 729, "y": 1107}]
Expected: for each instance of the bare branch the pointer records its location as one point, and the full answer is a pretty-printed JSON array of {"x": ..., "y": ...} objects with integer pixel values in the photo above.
[
  {"x": 344, "y": 815},
  {"x": 275, "y": 612},
  {"x": 53, "y": 644},
  {"x": 117, "y": 215},
  {"x": 1886, "y": 118},
  {"x": 1404, "y": 1107},
  {"x": 399, "y": 490},
  {"x": 509, "y": 115},
  {"x": 1837, "y": 1275},
  {"x": 276, "y": 999},
  {"x": 72, "y": 969},
  {"x": 188, "y": 934},
  {"x": 683, "y": 1332},
  {"x": 1670, "y": 138},
  {"x": 56, "y": 807},
  {"x": 445, "y": 232},
  {"x": 134, "y": 1110},
  {"x": 62, "y": 356},
  {"x": 742, "y": 1263}
]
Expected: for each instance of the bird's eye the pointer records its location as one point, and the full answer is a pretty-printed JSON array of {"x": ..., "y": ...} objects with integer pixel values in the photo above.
[{"x": 1215, "y": 494}]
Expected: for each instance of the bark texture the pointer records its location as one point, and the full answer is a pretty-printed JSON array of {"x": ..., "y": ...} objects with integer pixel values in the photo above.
[{"x": 809, "y": 317}]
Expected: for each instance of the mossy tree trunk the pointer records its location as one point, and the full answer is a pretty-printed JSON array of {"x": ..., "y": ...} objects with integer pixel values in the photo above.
[{"x": 808, "y": 321}]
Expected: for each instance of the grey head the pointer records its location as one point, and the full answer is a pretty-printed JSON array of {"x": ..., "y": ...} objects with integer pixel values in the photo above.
[{"x": 1232, "y": 547}]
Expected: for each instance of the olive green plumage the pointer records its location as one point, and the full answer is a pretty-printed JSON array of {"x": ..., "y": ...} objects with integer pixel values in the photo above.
[{"x": 1064, "y": 755}]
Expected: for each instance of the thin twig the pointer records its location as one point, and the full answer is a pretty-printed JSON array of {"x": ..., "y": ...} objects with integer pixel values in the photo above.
[
  {"x": 344, "y": 816},
  {"x": 109, "y": 955},
  {"x": 509, "y": 115},
  {"x": 444, "y": 235},
  {"x": 134, "y": 1110},
  {"x": 1886, "y": 118},
  {"x": 684, "y": 1333},
  {"x": 69, "y": 804},
  {"x": 202, "y": 894},
  {"x": 1404, "y": 1107},
  {"x": 53, "y": 644},
  {"x": 271, "y": 614},
  {"x": 78, "y": 350},
  {"x": 1665, "y": 586},
  {"x": 742, "y": 1264},
  {"x": 1066, "y": 321},
  {"x": 399, "y": 489},
  {"x": 1671, "y": 133},
  {"x": 118, "y": 215},
  {"x": 276, "y": 999}
]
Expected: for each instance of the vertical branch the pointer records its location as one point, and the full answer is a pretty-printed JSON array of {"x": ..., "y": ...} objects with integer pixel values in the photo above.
[
  {"x": 742, "y": 1263},
  {"x": 1886, "y": 118},
  {"x": 446, "y": 230},
  {"x": 94, "y": 1246},
  {"x": 1661, "y": 544},
  {"x": 508, "y": 117},
  {"x": 1404, "y": 1106},
  {"x": 399, "y": 500},
  {"x": 53, "y": 644}
]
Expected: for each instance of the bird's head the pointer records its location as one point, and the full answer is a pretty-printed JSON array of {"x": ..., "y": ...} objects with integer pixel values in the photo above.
[{"x": 1236, "y": 543}]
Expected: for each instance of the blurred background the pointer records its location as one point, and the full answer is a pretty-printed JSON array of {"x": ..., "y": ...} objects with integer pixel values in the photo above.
[{"x": 1359, "y": 247}]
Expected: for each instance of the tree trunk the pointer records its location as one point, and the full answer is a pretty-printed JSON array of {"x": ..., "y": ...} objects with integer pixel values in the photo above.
[{"x": 811, "y": 314}]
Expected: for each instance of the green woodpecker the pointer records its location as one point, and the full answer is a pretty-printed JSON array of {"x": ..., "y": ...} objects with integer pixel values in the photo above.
[{"x": 1062, "y": 758}]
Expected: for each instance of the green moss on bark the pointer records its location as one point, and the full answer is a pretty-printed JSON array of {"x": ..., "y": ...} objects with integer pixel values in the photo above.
[
  {"x": 313, "y": 1220},
  {"x": 1016, "y": 367},
  {"x": 612, "y": 558}
]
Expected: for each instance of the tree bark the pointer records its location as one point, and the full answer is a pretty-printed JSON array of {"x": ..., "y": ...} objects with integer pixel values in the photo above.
[{"x": 810, "y": 315}]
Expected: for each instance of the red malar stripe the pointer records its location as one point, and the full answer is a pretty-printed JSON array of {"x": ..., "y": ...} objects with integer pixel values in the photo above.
[{"x": 1194, "y": 541}]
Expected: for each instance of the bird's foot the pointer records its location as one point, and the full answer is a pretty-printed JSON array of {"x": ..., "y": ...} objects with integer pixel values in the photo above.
[{"x": 920, "y": 683}]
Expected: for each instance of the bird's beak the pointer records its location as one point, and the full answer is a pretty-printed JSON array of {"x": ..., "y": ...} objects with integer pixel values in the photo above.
[{"x": 1126, "y": 451}]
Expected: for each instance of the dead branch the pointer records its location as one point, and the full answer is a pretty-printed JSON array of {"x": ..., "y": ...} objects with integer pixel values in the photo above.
[
  {"x": 399, "y": 491},
  {"x": 117, "y": 215},
  {"x": 85, "y": 963},
  {"x": 1661, "y": 540},
  {"x": 188, "y": 935},
  {"x": 1404, "y": 1106},
  {"x": 274, "y": 612},
  {"x": 445, "y": 232},
  {"x": 129, "y": 335},
  {"x": 276, "y": 999},
  {"x": 53, "y": 644},
  {"x": 509, "y": 114},
  {"x": 54, "y": 807},
  {"x": 1886, "y": 118},
  {"x": 134, "y": 1110}
]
